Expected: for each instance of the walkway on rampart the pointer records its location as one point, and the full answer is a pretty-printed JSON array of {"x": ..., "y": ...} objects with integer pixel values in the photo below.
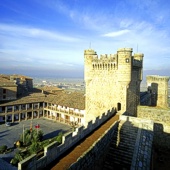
[{"x": 76, "y": 152}]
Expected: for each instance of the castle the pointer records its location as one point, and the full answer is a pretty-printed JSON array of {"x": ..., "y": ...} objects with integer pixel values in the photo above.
[{"x": 112, "y": 81}]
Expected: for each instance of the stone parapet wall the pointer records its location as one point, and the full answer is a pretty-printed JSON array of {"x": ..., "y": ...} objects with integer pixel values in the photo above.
[
  {"x": 94, "y": 152},
  {"x": 88, "y": 159},
  {"x": 142, "y": 123},
  {"x": 154, "y": 113},
  {"x": 161, "y": 118},
  {"x": 53, "y": 151}
]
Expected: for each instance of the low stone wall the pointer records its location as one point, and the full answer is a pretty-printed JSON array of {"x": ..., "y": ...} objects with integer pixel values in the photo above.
[
  {"x": 142, "y": 123},
  {"x": 52, "y": 151},
  {"x": 161, "y": 118},
  {"x": 154, "y": 113},
  {"x": 87, "y": 160}
]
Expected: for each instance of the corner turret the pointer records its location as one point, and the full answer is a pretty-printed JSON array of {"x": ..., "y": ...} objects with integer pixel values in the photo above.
[
  {"x": 124, "y": 64},
  {"x": 89, "y": 55},
  {"x": 138, "y": 62}
]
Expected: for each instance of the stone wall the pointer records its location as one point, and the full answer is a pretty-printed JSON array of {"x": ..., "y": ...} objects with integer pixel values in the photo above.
[
  {"x": 161, "y": 118},
  {"x": 154, "y": 113},
  {"x": 87, "y": 159},
  {"x": 133, "y": 92},
  {"x": 8, "y": 92},
  {"x": 53, "y": 151},
  {"x": 143, "y": 146}
]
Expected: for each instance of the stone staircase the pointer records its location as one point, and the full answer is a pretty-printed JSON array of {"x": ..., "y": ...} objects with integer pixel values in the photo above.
[{"x": 120, "y": 152}]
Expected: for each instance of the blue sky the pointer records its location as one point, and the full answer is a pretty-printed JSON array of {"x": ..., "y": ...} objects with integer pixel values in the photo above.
[{"x": 48, "y": 37}]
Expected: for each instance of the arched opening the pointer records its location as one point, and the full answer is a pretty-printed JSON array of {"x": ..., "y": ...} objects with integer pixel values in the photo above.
[
  {"x": 111, "y": 66},
  {"x": 118, "y": 106}
]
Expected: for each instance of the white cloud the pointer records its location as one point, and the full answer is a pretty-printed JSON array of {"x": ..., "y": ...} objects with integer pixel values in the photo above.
[
  {"x": 24, "y": 31},
  {"x": 116, "y": 33}
]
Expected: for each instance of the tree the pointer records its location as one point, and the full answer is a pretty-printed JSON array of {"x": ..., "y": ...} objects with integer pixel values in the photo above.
[
  {"x": 3, "y": 148},
  {"x": 17, "y": 158},
  {"x": 35, "y": 147},
  {"x": 31, "y": 136},
  {"x": 59, "y": 137}
]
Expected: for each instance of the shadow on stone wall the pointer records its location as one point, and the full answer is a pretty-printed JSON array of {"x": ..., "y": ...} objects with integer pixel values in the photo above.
[
  {"x": 120, "y": 152},
  {"x": 154, "y": 93},
  {"x": 161, "y": 138},
  {"x": 161, "y": 148}
]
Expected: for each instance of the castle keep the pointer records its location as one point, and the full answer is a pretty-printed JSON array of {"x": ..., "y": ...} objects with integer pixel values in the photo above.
[{"x": 112, "y": 81}]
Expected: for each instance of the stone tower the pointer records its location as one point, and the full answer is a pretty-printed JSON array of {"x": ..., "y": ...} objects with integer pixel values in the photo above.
[
  {"x": 158, "y": 86},
  {"x": 112, "y": 81}
]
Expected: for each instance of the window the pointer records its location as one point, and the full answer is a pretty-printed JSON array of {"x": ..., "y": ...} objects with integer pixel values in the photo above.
[
  {"x": 127, "y": 60},
  {"x": 4, "y": 96},
  {"x": 4, "y": 90},
  {"x": 118, "y": 106}
]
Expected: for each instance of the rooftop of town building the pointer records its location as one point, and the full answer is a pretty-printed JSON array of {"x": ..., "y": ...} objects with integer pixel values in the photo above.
[{"x": 68, "y": 99}]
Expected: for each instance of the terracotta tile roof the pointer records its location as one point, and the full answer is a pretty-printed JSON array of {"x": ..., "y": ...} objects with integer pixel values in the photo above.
[
  {"x": 69, "y": 99},
  {"x": 23, "y": 100},
  {"x": 20, "y": 76},
  {"x": 4, "y": 81},
  {"x": 74, "y": 100},
  {"x": 50, "y": 88}
]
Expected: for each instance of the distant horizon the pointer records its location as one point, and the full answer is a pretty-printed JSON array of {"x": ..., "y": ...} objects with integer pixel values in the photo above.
[{"x": 76, "y": 74}]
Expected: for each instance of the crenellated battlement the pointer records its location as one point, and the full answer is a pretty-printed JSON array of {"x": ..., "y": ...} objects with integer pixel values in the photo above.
[
  {"x": 125, "y": 50},
  {"x": 138, "y": 56},
  {"x": 154, "y": 78},
  {"x": 105, "y": 58},
  {"x": 158, "y": 86},
  {"x": 105, "y": 62},
  {"x": 112, "y": 61},
  {"x": 89, "y": 52},
  {"x": 138, "y": 60}
]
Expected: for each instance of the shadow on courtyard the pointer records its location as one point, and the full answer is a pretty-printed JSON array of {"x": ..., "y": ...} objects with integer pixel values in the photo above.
[{"x": 54, "y": 134}]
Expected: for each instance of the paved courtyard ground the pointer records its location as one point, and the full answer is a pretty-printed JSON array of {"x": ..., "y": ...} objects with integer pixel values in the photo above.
[{"x": 9, "y": 135}]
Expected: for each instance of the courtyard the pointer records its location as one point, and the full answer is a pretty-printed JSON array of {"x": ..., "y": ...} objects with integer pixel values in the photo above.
[{"x": 10, "y": 134}]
